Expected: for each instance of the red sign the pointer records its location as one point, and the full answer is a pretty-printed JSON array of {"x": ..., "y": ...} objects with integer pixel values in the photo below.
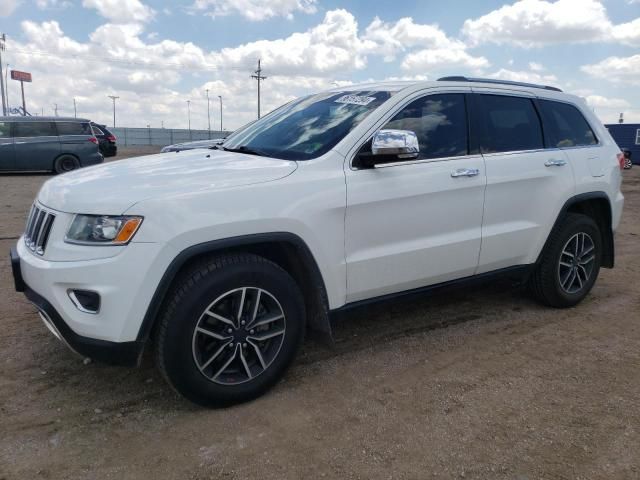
[{"x": 22, "y": 76}]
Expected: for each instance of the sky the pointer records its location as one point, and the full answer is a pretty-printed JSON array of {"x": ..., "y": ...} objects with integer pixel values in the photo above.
[{"x": 157, "y": 55}]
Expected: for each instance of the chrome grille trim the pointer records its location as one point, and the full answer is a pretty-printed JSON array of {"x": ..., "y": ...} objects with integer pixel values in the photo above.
[{"x": 39, "y": 226}]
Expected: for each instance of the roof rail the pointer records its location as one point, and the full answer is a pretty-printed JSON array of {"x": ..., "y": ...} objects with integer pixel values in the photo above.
[{"x": 458, "y": 78}]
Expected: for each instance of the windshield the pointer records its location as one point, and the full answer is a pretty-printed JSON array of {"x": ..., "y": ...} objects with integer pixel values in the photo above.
[{"x": 308, "y": 127}]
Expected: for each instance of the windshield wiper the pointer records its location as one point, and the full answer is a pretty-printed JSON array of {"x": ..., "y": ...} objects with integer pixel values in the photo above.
[{"x": 247, "y": 150}]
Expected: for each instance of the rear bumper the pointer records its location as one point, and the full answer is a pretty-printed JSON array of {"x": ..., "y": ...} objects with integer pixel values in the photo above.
[
  {"x": 93, "y": 159},
  {"x": 115, "y": 353},
  {"x": 108, "y": 149}
]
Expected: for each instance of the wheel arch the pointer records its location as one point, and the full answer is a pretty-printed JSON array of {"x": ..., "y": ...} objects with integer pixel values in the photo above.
[
  {"x": 597, "y": 206},
  {"x": 285, "y": 249}
]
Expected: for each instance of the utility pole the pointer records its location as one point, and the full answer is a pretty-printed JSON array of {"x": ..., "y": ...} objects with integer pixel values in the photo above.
[
  {"x": 189, "y": 115},
  {"x": 258, "y": 76},
  {"x": 75, "y": 109},
  {"x": 55, "y": 109},
  {"x": 6, "y": 87},
  {"x": 4, "y": 101},
  {"x": 114, "y": 98},
  {"x": 220, "y": 97},
  {"x": 208, "y": 114}
]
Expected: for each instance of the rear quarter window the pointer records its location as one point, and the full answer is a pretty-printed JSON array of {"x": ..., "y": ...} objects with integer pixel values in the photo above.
[
  {"x": 34, "y": 129},
  {"x": 73, "y": 128},
  {"x": 565, "y": 126}
]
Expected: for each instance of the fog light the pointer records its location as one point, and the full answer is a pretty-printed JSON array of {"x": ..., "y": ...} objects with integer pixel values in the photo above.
[{"x": 86, "y": 301}]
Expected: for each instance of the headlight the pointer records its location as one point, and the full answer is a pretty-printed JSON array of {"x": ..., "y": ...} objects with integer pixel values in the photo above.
[{"x": 102, "y": 229}]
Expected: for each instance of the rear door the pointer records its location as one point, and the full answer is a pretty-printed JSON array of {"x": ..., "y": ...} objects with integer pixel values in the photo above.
[
  {"x": 75, "y": 139},
  {"x": 527, "y": 184},
  {"x": 36, "y": 145},
  {"x": 7, "y": 152}
]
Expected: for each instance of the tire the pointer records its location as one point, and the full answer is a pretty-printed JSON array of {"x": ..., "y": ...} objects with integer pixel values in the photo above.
[
  {"x": 66, "y": 163},
  {"x": 628, "y": 164},
  {"x": 195, "y": 340},
  {"x": 551, "y": 282}
]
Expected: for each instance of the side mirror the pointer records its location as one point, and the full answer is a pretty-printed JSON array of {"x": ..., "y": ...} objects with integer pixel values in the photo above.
[{"x": 390, "y": 146}]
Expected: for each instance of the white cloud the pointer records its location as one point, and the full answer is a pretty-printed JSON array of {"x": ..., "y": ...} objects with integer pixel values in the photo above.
[
  {"x": 536, "y": 67},
  {"x": 534, "y": 23},
  {"x": 331, "y": 46},
  {"x": 428, "y": 45},
  {"x": 523, "y": 76},
  {"x": 598, "y": 101},
  {"x": 616, "y": 69},
  {"x": 53, "y": 4},
  {"x": 8, "y": 6},
  {"x": 121, "y": 11},
  {"x": 255, "y": 10}
]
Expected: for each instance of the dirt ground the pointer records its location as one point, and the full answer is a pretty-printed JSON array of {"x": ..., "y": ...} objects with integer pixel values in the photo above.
[{"x": 481, "y": 383}]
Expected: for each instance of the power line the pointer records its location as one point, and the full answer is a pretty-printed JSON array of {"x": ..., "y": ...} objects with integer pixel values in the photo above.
[{"x": 258, "y": 76}]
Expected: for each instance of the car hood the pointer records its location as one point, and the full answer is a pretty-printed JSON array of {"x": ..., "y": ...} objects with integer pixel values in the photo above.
[{"x": 111, "y": 188}]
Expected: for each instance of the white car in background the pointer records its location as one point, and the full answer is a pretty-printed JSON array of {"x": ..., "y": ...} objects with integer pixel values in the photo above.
[{"x": 346, "y": 197}]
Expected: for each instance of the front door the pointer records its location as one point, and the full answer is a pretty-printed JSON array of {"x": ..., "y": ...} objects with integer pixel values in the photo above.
[{"x": 415, "y": 223}]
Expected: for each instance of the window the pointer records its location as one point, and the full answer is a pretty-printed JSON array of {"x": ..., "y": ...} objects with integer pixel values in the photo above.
[
  {"x": 440, "y": 123},
  {"x": 34, "y": 129},
  {"x": 309, "y": 127},
  {"x": 5, "y": 129},
  {"x": 510, "y": 124},
  {"x": 73, "y": 128},
  {"x": 638, "y": 137},
  {"x": 96, "y": 130},
  {"x": 565, "y": 126}
]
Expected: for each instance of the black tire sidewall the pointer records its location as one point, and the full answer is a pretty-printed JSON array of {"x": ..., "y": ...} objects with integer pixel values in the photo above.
[
  {"x": 578, "y": 224},
  {"x": 61, "y": 160},
  {"x": 180, "y": 366}
]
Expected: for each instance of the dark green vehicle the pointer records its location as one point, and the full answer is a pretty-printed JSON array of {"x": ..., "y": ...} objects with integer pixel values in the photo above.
[{"x": 55, "y": 144}]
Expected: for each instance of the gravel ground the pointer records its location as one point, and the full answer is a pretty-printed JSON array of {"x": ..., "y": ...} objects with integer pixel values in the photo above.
[{"x": 482, "y": 383}]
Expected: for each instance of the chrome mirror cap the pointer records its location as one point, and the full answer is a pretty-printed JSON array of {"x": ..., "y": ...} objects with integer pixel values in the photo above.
[{"x": 403, "y": 143}]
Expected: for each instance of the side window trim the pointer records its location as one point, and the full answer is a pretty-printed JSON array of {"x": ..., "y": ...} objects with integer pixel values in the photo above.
[{"x": 384, "y": 119}]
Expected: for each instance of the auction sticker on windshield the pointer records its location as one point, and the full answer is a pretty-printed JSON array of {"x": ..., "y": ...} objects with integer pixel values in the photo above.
[{"x": 355, "y": 100}]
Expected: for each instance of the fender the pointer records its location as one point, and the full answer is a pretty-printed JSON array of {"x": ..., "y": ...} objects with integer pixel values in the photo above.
[
  {"x": 314, "y": 291},
  {"x": 608, "y": 255}
]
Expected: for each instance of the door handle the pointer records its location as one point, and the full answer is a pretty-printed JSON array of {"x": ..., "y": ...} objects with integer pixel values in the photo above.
[
  {"x": 465, "y": 172},
  {"x": 555, "y": 163}
]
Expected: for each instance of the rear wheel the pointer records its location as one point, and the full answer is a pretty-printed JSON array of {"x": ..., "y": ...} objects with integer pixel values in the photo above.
[
  {"x": 66, "y": 163},
  {"x": 628, "y": 164},
  {"x": 570, "y": 263},
  {"x": 232, "y": 327}
]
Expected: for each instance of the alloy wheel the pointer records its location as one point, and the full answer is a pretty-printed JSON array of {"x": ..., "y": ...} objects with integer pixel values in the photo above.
[
  {"x": 576, "y": 263},
  {"x": 238, "y": 335}
]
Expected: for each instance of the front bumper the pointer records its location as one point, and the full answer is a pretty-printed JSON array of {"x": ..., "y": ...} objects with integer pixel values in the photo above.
[{"x": 115, "y": 353}]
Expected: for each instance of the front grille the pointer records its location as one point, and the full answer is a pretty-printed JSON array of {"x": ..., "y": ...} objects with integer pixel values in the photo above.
[{"x": 39, "y": 226}]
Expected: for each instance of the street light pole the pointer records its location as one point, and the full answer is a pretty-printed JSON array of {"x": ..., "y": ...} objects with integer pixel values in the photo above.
[
  {"x": 208, "y": 114},
  {"x": 114, "y": 98},
  {"x": 4, "y": 103},
  {"x": 55, "y": 109},
  {"x": 75, "y": 109},
  {"x": 220, "y": 97}
]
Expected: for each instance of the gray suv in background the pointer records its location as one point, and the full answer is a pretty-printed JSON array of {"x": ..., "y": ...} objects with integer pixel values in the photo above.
[{"x": 47, "y": 143}]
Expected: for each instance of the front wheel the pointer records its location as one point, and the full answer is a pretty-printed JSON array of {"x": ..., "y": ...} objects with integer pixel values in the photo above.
[
  {"x": 233, "y": 325},
  {"x": 570, "y": 263},
  {"x": 628, "y": 164}
]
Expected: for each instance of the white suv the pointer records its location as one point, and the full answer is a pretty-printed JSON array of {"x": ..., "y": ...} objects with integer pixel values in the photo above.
[{"x": 223, "y": 257}]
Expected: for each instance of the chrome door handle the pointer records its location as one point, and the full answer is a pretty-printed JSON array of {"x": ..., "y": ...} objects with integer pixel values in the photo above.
[
  {"x": 465, "y": 172},
  {"x": 555, "y": 163}
]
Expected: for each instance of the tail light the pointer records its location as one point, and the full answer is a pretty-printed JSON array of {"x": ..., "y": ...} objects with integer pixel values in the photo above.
[
  {"x": 621, "y": 160},
  {"x": 93, "y": 140},
  {"x": 112, "y": 138}
]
